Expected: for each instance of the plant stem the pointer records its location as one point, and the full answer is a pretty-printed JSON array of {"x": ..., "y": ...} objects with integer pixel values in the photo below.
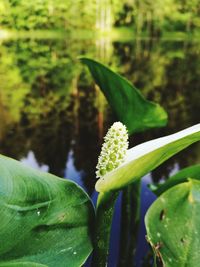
[
  {"x": 129, "y": 224},
  {"x": 104, "y": 215}
]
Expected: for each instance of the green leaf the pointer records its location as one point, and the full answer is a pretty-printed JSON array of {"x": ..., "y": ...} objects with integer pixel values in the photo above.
[
  {"x": 45, "y": 220},
  {"x": 146, "y": 157},
  {"x": 173, "y": 225},
  {"x": 22, "y": 264},
  {"x": 179, "y": 177},
  {"x": 128, "y": 103}
]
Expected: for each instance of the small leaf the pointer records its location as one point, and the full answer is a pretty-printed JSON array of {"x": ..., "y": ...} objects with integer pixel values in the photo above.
[
  {"x": 179, "y": 177},
  {"x": 130, "y": 106},
  {"x": 146, "y": 157},
  {"x": 173, "y": 225},
  {"x": 45, "y": 220}
]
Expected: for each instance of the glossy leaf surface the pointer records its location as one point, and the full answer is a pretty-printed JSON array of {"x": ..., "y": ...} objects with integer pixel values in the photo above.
[
  {"x": 179, "y": 177},
  {"x": 45, "y": 220},
  {"x": 173, "y": 225},
  {"x": 130, "y": 106},
  {"x": 144, "y": 158}
]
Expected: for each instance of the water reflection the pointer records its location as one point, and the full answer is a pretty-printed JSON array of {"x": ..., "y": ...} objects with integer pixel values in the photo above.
[
  {"x": 31, "y": 161},
  {"x": 72, "y": 172},
  {"x": 53, "y": 117}
]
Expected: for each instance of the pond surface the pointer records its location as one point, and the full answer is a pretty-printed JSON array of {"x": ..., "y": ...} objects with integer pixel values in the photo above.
[{"x": 53, "y": 117}]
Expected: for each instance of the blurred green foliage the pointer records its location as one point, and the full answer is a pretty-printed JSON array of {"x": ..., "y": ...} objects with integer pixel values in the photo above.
[
  {"x": 149, "y": 17},
  {"x": 46, "y": 14}
]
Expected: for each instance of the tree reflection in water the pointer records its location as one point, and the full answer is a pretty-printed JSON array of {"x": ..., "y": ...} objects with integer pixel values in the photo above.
[{"x": 50, "y": 106}]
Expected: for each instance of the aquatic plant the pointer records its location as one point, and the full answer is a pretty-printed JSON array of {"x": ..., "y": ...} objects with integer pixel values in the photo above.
[{"x": 48, "y": 221}]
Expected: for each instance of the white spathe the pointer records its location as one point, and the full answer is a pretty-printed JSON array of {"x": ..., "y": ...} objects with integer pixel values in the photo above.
[
  {"x": 149, "y": 146},
  {"x": 145, "y": 157}
]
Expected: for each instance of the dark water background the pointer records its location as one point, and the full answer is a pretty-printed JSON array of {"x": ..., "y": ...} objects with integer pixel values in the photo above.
[{"x": 53, "y": 117}]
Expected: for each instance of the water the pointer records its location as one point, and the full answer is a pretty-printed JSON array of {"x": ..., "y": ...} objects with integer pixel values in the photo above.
[{"x": 53, "y": 117}]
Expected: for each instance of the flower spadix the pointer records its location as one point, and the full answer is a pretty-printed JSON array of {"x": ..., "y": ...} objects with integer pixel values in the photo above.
[
  {"x": 145, "y": 157},
  {"x": 114, "y": 149}
]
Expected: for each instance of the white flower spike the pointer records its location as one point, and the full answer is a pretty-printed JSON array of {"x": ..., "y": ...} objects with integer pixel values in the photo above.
[{"x": 114, "y": 149}]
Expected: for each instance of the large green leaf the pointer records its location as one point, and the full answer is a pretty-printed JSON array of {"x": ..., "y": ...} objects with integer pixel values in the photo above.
[
  {"x": 179, "y": 177},
  {"x": 146, "y": 157},
  {"x": 130, "y": 106},
  {"x": 45, "y": 220},
  {"x": 173, "y": 225},
  {"x": 21, "y": 264}
]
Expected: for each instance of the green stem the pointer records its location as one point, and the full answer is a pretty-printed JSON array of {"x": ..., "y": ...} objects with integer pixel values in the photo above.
[
  {"x": 130, "y": 217},
  {"x": 104, "y": 215}
]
